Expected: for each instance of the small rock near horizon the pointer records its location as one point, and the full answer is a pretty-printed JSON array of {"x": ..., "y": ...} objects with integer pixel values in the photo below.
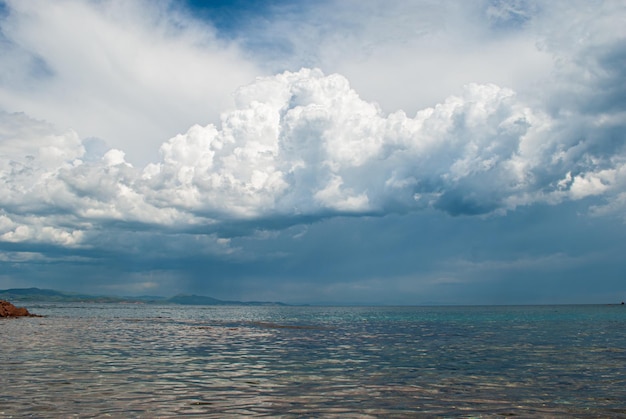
[{"x": 9, "y": 310}]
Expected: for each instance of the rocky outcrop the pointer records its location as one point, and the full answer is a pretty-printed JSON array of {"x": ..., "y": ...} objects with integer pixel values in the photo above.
[{"x": 9, "y": 310}]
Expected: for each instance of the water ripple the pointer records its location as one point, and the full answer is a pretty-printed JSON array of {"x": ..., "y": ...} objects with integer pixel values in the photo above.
[{"x": 111, "y": 361}]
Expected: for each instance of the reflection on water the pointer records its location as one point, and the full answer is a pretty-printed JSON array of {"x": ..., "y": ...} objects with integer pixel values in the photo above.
[{"x": 146, "y": 361}]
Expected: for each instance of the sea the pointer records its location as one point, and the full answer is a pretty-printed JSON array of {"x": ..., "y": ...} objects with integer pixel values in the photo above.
[{"x": 150, "y": 361}]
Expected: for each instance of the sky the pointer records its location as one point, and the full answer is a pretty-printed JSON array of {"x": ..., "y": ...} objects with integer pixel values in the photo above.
[{"x": 328, "y": 152}]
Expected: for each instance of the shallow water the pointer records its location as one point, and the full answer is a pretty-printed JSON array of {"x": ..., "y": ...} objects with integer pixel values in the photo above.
[{"x": 113, "y": 360}]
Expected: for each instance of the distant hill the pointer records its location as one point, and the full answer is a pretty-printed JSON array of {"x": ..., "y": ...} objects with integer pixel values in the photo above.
[
  {"x": 46, "y": 295},
  {"x": 210, "y": 301},
  {"x": 37, "y": 294},
  {"x": 195, "y": 300}
]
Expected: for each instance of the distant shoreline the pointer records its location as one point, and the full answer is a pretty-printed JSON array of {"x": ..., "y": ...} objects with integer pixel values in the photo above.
[{"x": 47, "y": 295}]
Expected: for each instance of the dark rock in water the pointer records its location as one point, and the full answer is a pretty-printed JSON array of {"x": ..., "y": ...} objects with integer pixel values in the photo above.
[{"x": 9, "y": 310}]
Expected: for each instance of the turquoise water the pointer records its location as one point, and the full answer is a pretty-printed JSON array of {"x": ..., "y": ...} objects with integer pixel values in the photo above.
[{"x": 112, "y": 360}]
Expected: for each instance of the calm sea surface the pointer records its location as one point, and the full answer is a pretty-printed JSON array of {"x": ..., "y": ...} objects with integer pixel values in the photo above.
[{"x": 113, "y": 360}]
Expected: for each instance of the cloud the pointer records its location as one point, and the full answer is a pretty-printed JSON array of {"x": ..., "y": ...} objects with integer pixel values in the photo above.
[
  {"x": 165, "y": 160},
  {"x": 405, "y": 55},
  {"x": 303, "y": 144},
  {"x": 300, "y": 143},
  {"x": 306, "y": 144},
  {"x": 130, "y": 73}
]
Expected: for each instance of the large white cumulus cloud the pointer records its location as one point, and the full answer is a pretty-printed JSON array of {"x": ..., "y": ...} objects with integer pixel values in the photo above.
[{"x": 304, "y": 144}]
